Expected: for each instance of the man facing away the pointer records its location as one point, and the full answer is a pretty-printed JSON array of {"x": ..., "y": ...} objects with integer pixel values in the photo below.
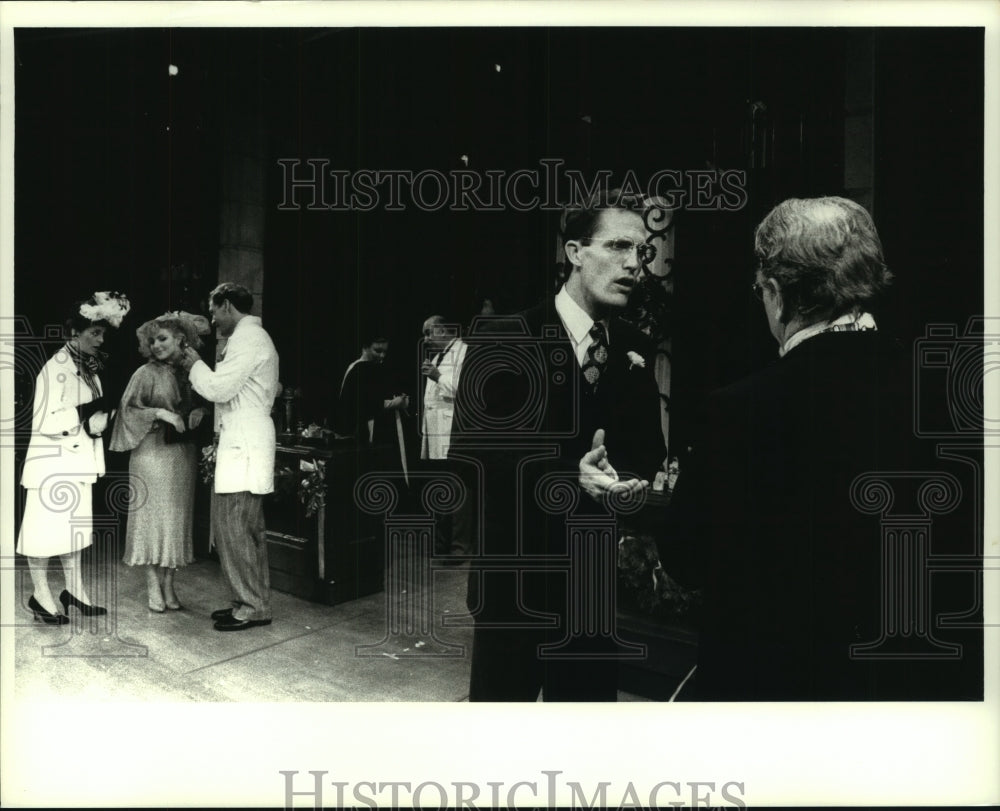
[
  {"x": 243, "y": 387},
  {"x": 580, "y": 374},
  {"x": 769, "y": 517}
]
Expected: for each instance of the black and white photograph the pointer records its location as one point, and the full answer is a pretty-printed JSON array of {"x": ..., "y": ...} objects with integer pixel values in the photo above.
[{"x": 427, "y": 405}]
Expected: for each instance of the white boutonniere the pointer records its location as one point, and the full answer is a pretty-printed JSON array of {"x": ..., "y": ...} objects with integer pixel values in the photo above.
[{"x": 636, "y": 359}]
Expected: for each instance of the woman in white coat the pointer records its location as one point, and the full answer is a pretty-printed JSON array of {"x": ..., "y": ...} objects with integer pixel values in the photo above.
[{"x": 66, "y": 457}]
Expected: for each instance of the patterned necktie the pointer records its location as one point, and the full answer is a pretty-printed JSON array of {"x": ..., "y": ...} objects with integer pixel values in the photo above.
[{"x": 597, "y": 356}]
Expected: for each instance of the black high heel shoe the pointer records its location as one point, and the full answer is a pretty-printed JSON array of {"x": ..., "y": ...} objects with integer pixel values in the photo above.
[
  {"x": 68, "y": 599},
  {"x": 43, "y": 615}
]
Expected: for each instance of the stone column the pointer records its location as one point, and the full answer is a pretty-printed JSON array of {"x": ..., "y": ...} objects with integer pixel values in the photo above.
[
  {"x": 241, "y": 220},
  {"x": 859, "y": 129}
]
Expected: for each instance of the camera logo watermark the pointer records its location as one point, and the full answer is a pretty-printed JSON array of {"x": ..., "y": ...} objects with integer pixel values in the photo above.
[
  {"x": 949, "y": 379},
  {"x": 519, "y": 401}
]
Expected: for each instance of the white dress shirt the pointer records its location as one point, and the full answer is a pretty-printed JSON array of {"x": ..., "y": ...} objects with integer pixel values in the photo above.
[{"x": 577, "y": 324}]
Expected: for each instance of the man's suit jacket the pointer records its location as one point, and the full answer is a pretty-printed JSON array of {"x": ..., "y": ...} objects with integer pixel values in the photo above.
[
  {"x": 792, "y": 570},
  {"x": 523, "y": 411}
]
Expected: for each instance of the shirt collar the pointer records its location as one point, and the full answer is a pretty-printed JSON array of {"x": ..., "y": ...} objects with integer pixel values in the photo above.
[
  {"x": 447, "y": 349},
  {"x": 850, "y": 322},
  {"x": 576, "y": 321},
  {"x": 247, "y": 319}
]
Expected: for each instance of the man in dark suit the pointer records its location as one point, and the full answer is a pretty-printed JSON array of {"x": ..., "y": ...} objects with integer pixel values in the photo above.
[
  {"x": 533, "y": 392},
  {"x": 797, "y": 598}
]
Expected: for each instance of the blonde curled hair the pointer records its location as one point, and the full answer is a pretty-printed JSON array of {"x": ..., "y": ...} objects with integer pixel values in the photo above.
[{"x": 184, "y": 325}]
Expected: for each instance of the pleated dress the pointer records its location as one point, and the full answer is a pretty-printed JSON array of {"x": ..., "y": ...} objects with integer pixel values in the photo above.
[{"x": 162, "y": 474}]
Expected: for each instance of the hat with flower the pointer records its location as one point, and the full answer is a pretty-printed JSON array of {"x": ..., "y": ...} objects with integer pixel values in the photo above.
[
  {"x": 188, "y": 325},
  {"x": 107, "y": 306}
]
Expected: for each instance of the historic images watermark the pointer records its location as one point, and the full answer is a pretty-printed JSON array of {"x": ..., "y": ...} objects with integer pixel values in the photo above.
[
  {"x": 545, "y": 791},
  {"x": 313, "y": 186}
]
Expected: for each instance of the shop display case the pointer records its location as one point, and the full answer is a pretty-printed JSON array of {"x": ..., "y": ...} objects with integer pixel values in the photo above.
[{"x": 335, "y": 553}]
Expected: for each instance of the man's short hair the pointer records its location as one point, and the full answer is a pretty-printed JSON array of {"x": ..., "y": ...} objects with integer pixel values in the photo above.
[
  {"x": 579, "y": 221},
  {"x": 374, "y": 338},
  {"x": 236, "y": 294},
  {"x": 826, "y": 255}
]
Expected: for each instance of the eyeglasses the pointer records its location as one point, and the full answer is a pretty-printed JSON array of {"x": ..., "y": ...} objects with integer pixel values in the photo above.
[
  {"x": 758, "y": 291},
  {"x": 622, "y": 246}
]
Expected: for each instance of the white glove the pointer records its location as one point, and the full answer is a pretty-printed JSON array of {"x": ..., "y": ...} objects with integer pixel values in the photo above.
[{"x": 98, "y": 422}]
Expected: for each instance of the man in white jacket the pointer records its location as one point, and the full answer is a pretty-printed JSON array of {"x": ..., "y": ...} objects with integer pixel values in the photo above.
[
  {"x": 442, "y": 364},
  {"x": 441, "y": 367},
  {"x": 243, "y": 387}
]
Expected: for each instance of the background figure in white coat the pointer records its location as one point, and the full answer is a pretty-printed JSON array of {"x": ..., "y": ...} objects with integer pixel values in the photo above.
[
  {"x": 445, "y": 352},
  {"x": 243, "y": 387},
  {"x": 441, "y": 368},
  {"x": 66, "y": 457}
]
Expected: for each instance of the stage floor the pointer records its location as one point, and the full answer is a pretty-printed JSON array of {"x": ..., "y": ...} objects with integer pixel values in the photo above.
[{"x": 310, "y": 653}]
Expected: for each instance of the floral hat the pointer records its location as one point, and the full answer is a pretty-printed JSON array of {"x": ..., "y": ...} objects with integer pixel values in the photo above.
[
  {"x": 108, "y": 306},
  {"x": 189, "y": 325}
]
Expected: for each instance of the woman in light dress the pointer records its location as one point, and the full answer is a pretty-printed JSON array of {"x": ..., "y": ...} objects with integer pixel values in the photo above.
[
  {"x": 156, "y": 421},
  {"x": 66, "y": 457}
]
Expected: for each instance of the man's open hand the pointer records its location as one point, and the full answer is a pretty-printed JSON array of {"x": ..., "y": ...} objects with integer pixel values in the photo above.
[{"x": 598, "y": 478}]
